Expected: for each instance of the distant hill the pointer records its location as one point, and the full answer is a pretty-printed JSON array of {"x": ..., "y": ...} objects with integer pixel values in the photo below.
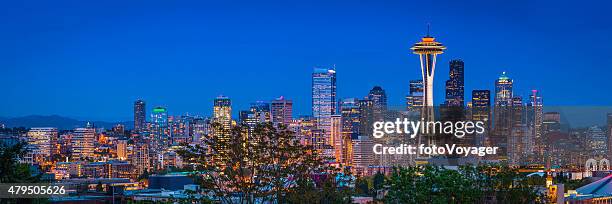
[{"x": 60, "y": 122}]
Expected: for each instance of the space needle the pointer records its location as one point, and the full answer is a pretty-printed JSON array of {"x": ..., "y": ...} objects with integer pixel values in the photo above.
[{"x": 428, "y": 49}]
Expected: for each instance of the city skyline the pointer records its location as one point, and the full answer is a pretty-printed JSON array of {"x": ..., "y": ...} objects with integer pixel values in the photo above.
[{"x": 67, "y": 92}]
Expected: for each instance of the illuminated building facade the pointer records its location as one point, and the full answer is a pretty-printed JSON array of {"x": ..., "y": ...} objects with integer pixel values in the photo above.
[
  {"x": 222, "y": 116},
  {"x": 83, "y": 142},
  {"x": 336, "y": 141},
  {"x": 323, "y": 101},
  {"x": 43, "y": 143},
  {"x": 122, "y": 150},
  {"x": 351, "y": 127},
  {"x": 140, "y": 115},
  {"x": 159, "y": 128},
  {"x": 455, "y": 84},
  {"x": 281, "y": 110},
  {"x": 379, "y": 99},
  {"x": 502, "y": 113}
]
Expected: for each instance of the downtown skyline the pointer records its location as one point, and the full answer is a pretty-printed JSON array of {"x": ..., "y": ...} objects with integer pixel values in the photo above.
[{"x": 184, "y": 82}]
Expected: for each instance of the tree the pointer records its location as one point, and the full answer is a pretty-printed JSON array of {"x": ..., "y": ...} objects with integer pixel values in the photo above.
[
  {"x": 11, "y": 170},
  {"x": 468, "y": 184},
  {"x": 248, "y": 166}
]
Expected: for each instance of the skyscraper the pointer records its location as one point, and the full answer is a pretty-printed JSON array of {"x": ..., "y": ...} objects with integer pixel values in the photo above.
[
  {"x": 428, "y": 49},
  {"x": 323, "y": 100},
  {"x": 351, "y": 127},
  {"x": 282, "y": 110},
  {"x": 379, "y": 99},
  {"x": 222, "y": 116},
  {"x": 262, "y": 111},
  {"x": 159, "y": 129},
  {"x": 140, "y": 117},
  {"x": 42, "y": 142},
  {"x": 481, "y": 111},
  {"x": 535, "y": 113},
  {"x": 454, "y": 85},
  {"x": 502, "y": 113},
  {"x": 503, "y": 90},
  {"x": 83, "y": 142}
]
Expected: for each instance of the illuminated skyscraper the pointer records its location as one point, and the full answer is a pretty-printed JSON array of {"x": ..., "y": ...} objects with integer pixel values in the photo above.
[
  {"x": 454, "y": 85},
  {"x": 502, "y": 113},
  {"x": 222, "y": 116},
  {"x": 428, "y": 49},
  {"x": 351, "y": 127},
  {"x": 262, "y": 111},
  {"x": 535, "y": 113},
  {"x": 122, "y": 149},
  {"x": 379, "y": 99},
  {"x": 282, "y": 110},
  {"x": 503, "y": 90},
  {"x": 336, "y": 140},
  {"x": 159, "y": 129},
  {"x": 83, "y": 142},
  {"x": 43, "y": 142},
  {"x": 140, "y": 117},
  {"x": 481, "y": 111},
  {"x": 323, "y": 100}
]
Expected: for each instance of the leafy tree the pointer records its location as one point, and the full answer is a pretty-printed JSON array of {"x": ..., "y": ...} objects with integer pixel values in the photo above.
[
  {"x": 261, "y": 165},
  {"x": 468, "y": 184},
  {"x": 11, "y": 170}
]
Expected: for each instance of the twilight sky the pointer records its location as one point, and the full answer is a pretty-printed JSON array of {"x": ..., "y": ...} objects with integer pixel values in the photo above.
[{"x": 91, "y": 60}]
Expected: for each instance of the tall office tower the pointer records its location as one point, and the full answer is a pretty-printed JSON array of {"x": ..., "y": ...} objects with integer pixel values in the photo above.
[
  {"x": 222, "y": 116},
  {"x": 502, "y": 113},
  {"x": 159, "y": 129},
  {"x": 518, "y": 116},
  {"x": 366, "y": 117},
  {"x": 323, "y": 100},
  {"x": 83, "y": 142},
  {"x": 454, "y": 85},
  {"x": 503, "y": 90},
  {"x": 336, "y": 141},
  {"x": 140, "y": 115},
  {"x": 262, "y": 111},
  {"x": 282, "y": 111},
  {"x": 535, "y": 113},
  {"x": 378, "y": 96},
  {"x": 122, "y": 149},
  {"x": 42, "y": 142},
  {"x": 414, "y": 100},
  {"x": 428, "y": 49},
  {"x": 481, "y": 111},
  {"x": 351, "y": 127},
  {"x": 249, "y": 119}
]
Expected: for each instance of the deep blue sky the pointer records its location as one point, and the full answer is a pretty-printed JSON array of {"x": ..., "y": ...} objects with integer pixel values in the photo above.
[{"x": 92, "y": 60}]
